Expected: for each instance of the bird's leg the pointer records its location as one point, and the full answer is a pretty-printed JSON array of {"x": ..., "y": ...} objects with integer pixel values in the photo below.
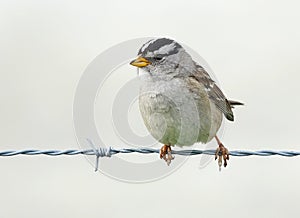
[
  {"x": 221, "y": 153},
  {"x": 166, "y": 153}
]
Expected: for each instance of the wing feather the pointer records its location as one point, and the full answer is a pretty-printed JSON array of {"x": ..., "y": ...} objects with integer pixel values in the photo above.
[{"x": 214, "y": 92}]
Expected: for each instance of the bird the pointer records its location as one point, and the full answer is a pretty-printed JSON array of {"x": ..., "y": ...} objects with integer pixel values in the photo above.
[{"x": 179, "y": 102}]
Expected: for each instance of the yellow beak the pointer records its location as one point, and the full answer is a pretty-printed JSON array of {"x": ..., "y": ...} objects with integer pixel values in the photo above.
[{"x": 140, "y": 62}]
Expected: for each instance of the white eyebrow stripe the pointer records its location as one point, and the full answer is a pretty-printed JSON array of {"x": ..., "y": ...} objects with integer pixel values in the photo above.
[{"x": 166, "y": 48}]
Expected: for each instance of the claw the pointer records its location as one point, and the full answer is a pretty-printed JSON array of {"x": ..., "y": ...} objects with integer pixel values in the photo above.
[
  {"x": 222, "y": 154},
  {"x": 166, "y": 154}
]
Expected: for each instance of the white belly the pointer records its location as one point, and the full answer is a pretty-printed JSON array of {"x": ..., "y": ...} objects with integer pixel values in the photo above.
[{"x": 175, "y": 115}]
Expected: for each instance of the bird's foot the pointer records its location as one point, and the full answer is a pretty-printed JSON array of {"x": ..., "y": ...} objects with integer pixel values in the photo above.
[
  {"x": 222, "y": 154},
  {"x": 166, "y": 154}
]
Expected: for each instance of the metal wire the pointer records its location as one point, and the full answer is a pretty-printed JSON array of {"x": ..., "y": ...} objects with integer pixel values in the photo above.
[{"x": 107, "y": 152}]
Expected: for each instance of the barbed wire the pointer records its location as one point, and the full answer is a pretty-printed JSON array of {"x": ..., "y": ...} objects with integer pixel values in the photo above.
[
  {"x": 112, "y": 151},
  {"x": 108, "y": 152}
]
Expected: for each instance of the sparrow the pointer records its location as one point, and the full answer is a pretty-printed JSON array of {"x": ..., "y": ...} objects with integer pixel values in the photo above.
[{"x": 179, "y": 102}]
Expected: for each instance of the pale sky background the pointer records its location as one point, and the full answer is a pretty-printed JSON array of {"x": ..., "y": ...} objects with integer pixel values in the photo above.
[{"x": 253, "y": 49}]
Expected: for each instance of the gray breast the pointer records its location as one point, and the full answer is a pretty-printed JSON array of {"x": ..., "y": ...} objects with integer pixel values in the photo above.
[{"x": 175, "y": 115}]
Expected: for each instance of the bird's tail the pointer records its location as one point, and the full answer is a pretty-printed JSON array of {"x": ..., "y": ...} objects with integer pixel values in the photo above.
[{"x": 234, "y": 103}]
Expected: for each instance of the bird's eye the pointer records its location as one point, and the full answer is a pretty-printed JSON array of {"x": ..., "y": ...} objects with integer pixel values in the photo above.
[{"x": 157, "y": 58}]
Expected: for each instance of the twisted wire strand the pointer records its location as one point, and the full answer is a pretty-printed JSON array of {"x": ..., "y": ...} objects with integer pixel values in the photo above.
[{"x": 107, "y": 152}]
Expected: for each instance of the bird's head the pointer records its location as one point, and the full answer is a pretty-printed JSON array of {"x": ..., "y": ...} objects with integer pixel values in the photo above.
[{"x": 162, "y": 56}]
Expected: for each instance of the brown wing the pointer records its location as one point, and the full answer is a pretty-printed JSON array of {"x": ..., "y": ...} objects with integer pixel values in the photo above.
[{"x": 214, "y": 92}]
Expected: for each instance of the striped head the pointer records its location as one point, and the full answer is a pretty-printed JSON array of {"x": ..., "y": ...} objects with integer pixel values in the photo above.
[{"x": 161, "y": 55}]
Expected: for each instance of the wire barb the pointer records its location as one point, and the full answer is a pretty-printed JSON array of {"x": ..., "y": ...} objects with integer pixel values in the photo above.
[{"x": 99, "y": 152}]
